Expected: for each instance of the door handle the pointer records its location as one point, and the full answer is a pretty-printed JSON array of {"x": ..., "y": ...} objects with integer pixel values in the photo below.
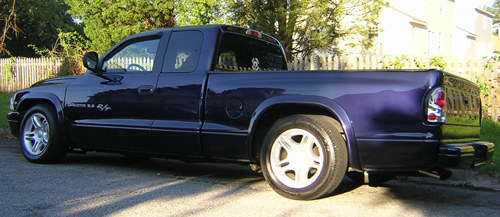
[{"x": 146, "y": 90}]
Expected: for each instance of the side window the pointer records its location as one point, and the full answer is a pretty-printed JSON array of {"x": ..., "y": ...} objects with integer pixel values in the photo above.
[
  {"x": 243, "y": 53},
  {"x": 183, "y": 51},
  {"x": 135, "y": 57}
]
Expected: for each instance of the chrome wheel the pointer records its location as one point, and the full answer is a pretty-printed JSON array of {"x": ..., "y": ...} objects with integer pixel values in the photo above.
[
  {"x": 39, "y": 137},
  {"x": 296, "y": 158},
  {"x": 304, "y": 156},
  {"x": 36, "y": 134}
]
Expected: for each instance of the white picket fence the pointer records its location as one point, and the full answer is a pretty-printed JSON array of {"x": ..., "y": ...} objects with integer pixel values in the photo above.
[
  {"x": 473, "y": 70},
  {"x": 20, "y": 73},
  {"x": 119, "y": 63}
]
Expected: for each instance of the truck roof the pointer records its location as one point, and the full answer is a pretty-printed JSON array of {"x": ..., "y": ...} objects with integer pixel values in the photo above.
[{"x": 224, "y": 28}]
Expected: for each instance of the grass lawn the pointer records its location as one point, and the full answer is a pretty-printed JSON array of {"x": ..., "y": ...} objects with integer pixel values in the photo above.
[
  {"x": 490, "y": 131},
  {"x": 4, "y": 108}
]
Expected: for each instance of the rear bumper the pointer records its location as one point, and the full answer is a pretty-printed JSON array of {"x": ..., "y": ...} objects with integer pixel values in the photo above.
[
  {"x": 465, "y": 155},
  {"x": 13, "y": 119}
]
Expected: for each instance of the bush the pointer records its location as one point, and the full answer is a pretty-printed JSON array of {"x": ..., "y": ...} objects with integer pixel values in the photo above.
[{"x": 70, "y": 46}]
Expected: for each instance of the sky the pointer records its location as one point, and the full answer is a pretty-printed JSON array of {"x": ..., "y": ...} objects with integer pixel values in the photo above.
[{"x": 481, "y": 3}]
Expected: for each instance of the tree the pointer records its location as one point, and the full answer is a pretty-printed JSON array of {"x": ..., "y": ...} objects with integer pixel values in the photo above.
[
  {"x": 9, "y": 25},
  {"x": 69, "y": 46},
  {"x": 109, "y": 21},
  {"x": 304, "y": 26},
  {"x": 38, "y": 22},
  {"x": 199, "y": 12},
  {"x": 495, "y": 9}
]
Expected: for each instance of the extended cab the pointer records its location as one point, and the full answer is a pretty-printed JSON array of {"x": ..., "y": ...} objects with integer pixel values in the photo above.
[{"x": 224, "y": 93}]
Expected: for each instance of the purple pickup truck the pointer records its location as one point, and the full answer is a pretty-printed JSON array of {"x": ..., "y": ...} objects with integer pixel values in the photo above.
[{"x": 224, "y": 94}]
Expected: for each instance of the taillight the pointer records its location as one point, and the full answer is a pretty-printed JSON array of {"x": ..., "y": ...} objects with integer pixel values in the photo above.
[{"x": 435, "y": 106}]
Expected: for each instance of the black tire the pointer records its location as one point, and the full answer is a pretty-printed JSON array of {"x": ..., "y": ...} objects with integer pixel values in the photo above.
[
  {"x": 314, "y": 149},
  {"x": 39, "y": 135},
  {"x": 375, "y": 179}
]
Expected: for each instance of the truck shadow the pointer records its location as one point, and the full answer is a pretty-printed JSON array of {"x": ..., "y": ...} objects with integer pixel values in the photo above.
[
  {"x": 106, "y": 184},
  {"x": 158, "y": 166}
]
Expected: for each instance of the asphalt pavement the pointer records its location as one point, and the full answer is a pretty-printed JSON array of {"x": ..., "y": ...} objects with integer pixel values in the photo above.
[{"x": 100, "y": 184}]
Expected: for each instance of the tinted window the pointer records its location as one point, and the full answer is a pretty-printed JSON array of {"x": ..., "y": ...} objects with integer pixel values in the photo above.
[
  {"x": 183, "y": 51},
  {"x": 243, "y": 53},
  {"x": 137, "y": 56}
]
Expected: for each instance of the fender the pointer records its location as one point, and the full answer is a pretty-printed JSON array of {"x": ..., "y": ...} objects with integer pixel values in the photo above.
[
  {"x": 27, "y": 99},
  {"x": 331, "y": 106}
]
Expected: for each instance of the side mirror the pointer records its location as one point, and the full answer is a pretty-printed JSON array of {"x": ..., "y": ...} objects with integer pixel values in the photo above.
[{"x": 90, "y": 61}]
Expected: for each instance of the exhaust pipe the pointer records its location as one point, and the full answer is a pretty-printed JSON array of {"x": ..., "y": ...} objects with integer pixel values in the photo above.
[{"x": 440, "y": 174}]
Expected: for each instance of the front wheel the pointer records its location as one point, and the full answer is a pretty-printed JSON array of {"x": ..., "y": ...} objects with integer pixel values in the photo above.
[
  {"x": 304, "y": 156},
  {"x": 39, "y": 135}
]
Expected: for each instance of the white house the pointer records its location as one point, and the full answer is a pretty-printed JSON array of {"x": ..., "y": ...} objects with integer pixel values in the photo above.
[{"x": 427, "y": 28}]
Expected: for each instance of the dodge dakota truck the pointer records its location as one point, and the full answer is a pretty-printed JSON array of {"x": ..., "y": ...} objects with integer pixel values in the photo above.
[{"x": 225, "y": 94}]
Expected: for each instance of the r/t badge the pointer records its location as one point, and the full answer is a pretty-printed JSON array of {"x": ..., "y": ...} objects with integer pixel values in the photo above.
[{"x": 103, "y": 108}]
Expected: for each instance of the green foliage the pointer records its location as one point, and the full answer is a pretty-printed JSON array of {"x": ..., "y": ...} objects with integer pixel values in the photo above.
[
  {"x": 39, "y": 22},
  {"x": 400, "y": 62},
  {"x": 495, "y": 9},
  {"x": 483, "y": 86},
  {"x": 8, "y": 68},
  {"x": 4, "y": 108},
  {"x": 69, "y": 46},
  {"x": 481, "y": 81},
  {"x": 490, "y": 132},
  {"x": 109, "y": 21},
  {"x": 418, "y": 63},
  {"x": 304, "y": 26},
  {"x": 39, "y": 51},
  {"x": 278, "y": 18},
  {"x": 199, "y": 12},
  {"x": 491, "y": 61},
  {"x": 437, "y": 61}
]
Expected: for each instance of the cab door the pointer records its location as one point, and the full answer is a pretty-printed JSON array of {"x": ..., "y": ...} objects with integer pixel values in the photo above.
[
  {"x": 179, "y": 96},
  {"x": 114, "y": 109}
]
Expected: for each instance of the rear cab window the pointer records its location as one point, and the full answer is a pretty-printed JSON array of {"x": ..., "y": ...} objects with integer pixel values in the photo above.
[
  {"x": 248, "y": 50},
  {"x": 183, "y": 51}
]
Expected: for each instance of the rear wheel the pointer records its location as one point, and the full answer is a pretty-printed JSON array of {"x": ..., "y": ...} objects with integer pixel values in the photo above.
[
  {"x": 39, "y": 136},
  {"x": 304, "y": 156}
]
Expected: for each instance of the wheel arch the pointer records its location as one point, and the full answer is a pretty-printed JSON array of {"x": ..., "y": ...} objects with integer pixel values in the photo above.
[
  {"x": 30, "y": 99},
  {"x": 273, "y": 109}
]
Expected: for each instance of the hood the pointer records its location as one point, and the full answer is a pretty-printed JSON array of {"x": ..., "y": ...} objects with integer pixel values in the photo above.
[{"x": 55, "y": 81}]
